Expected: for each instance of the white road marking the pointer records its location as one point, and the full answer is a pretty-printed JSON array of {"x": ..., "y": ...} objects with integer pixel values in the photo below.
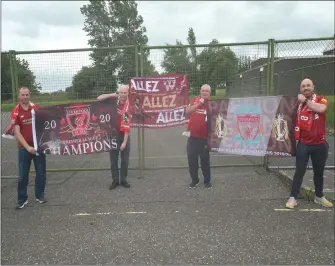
[
  {"x": 304, "y": 210},
  {"x": 106, "y": 213}
]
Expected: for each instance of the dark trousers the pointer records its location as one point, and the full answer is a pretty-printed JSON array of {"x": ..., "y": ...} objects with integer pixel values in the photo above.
[
  {"x": 25, "y": 159},
  {"x": 198, "y": 148},
  {"x": 319, "y": 155},
  {"x": 119, "y": 177}
]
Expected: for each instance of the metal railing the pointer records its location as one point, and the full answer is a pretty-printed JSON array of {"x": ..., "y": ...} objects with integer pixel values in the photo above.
[{"x": 233, "y": 70}]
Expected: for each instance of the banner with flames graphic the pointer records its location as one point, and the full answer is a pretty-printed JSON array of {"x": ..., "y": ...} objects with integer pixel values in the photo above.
[
  {"x": 159, "y": 101},
  {"x": 256, "y": 126},
  {"x": 75, "y": 129}
]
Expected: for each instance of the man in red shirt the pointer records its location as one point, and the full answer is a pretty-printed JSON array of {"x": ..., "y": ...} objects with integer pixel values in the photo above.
[
  {"x": 124, "y": 118},
  {"x": 24, "y": 135},
  {"x": 197, "y": 145},
  {"x": 310, "y": 132}
]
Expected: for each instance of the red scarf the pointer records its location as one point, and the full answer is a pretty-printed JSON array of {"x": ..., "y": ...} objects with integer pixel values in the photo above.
[
  {"x": 126, "y": 117},
  {"x": 187, "y": 131},
  {"x": 9, "y": 134},
  {"x": 305, "y": 118}
]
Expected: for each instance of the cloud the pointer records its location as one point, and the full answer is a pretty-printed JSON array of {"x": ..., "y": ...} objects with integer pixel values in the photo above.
[{"x": 43, "y": 25}]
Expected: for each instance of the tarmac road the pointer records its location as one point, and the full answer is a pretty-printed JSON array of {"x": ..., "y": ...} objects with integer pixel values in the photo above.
[{"x": 160, "y": 220}]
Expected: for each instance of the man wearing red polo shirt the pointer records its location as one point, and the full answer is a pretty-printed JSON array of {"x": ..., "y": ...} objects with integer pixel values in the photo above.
[
  {"x": 124, "y": 118},
  {"x": 197, "y": 146},
  {"x": 24, "y": 135},
  {"x": 310, "y": 132}
]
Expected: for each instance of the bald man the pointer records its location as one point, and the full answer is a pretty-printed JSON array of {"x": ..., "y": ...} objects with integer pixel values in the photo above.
[
  {"x": 27, "y": 153},
  {"x": 124, "y": 118},
  {"x": 310, "y": 132},
  {"x": 197, "y": 145}
]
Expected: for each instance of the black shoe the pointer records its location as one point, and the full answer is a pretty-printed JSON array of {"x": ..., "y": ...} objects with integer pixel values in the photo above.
[
  {"x": 125, "y": 184},
  {"x": 208, "y": 185},
  {"x": 41, "y": 201},
  {"x": 113, "y": 185},
  {"x": 193, "y": 185},
  {"x": 21, "y": 204}
]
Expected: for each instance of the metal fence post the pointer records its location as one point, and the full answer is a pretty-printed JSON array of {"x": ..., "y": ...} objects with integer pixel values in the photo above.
[
  {"x": 13, "y": 74},
  {"x": 268, "y": 84},
  {"x": 139, "y": 129},
  {"x": 272, "y": 66},
  {"x": 142, "y": 75}
]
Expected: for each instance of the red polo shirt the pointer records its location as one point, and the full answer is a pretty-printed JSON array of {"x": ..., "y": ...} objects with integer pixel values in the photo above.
[
  {"x": 24, "y": 120},
  {"x": 197, "y": 122},
  {"x": 317, "y": 134}
]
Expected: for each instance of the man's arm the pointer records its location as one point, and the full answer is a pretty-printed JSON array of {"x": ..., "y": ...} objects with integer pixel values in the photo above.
[
  {"x": 21, "y": 139},
  {"x": 192, "y": 108},
  {"x": 318, "y": 107},
  {"x": 125, "y": 139},
  {"x": 107, "y": 96}
]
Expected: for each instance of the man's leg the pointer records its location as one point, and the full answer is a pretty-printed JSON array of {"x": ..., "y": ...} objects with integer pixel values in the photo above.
[
  {"x": 301, "y": 161},
  {"x": 124, "y": 165},
  {"x": 319, "y": 156},
  {"x": 205, "y": 164},
  {"x": 114, "y": 158},
  {"x": 40, "y": 180},
  {"x": 24, "y": 167},
  {"x": 192, "y": 156}
]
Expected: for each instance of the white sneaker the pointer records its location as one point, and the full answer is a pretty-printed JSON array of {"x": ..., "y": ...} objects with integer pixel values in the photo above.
[
  {"x": 291, "y": 203},
  {"x": 323, "y": 201}
]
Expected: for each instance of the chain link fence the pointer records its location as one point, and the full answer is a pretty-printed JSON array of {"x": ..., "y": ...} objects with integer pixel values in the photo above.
[
  {"x": 232, "y": 70},
  {"x": 216, "y": 65},
  {"x": 67, "y": 76},
  {"x": 296, "y": 60}
]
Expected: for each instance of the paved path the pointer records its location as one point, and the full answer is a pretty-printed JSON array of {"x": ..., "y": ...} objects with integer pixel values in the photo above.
[{"x": 161, "y": 221}]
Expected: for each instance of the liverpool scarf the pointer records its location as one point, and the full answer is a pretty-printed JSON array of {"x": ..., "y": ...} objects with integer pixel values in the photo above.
[
  {"x": 9, "y": 134},
  {"x": 187, "y": 131},
  {"x": 125, "y": 116},
  {"x": 305, "y": 118}
]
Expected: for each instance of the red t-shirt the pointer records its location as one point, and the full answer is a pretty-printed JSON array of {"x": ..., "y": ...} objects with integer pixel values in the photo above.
[
  {"x": 24, "y": 120},
  {"x": 317, "y": 133},
  {"x": 197, "y": 122},
  {"x": 120, "y": 118}
]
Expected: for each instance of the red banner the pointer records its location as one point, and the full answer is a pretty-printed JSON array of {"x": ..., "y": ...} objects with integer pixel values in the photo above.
[
  {"x": 75, "y": 129},
  {"x": 159, "y": 101}
]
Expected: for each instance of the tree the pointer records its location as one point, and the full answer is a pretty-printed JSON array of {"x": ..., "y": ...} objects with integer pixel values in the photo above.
[
  {"x": 25, "y": 77},
  {"x": 176, "y": 60},
  {"x": 217, "y": 66},
  {"x": 182, "y": 60},
  {"x": 115, "y": 24},
  {"x": 92, "y": 81}
]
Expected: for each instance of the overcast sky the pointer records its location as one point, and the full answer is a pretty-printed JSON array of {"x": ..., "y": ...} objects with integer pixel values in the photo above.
[{"x": 58, "y": 25}]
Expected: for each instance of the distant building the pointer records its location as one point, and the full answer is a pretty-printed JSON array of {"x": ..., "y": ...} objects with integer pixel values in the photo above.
[
  {"x": 330, "y": 49},
  {"x": 288, "y": 73}
]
